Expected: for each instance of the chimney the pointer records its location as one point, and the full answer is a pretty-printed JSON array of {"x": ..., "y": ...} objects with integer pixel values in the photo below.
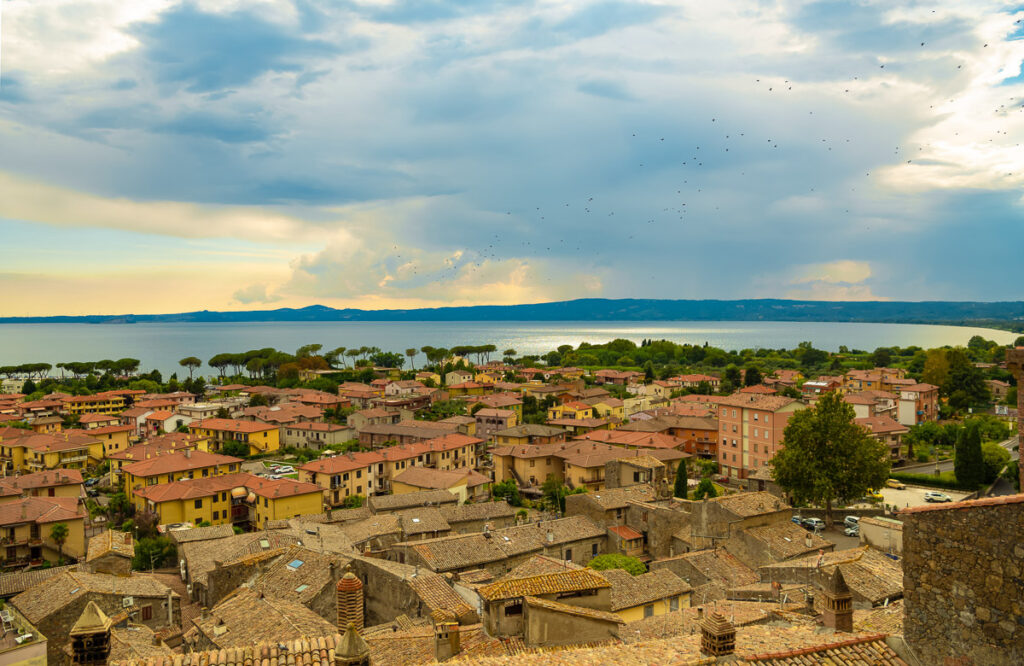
[
  {"x": 350, "y": 602},
  {"x": 838, "y": 603},
  {"x": 90, "y": 637},
  {"x": 447, "y": 642},
  {"x": 351, "y": 649},
  {"x": 717, "y": 636}
]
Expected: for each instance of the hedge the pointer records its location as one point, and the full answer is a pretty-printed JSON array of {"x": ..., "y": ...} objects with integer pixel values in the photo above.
[{"x": 929, "y": 480}]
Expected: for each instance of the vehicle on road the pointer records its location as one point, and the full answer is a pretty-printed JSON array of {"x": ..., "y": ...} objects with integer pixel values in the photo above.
[
  {"x": 91, "y": 482},
  {"x": 798, "y": 520},
  {"x": 286, "y": 469},
  {"x": 852, "y": 531},
  {"x": 935, "y": 496},
  {"x": 898, "y": 485},
  {"x": 274, "y": 476},
  {"x": 874, "y": 495},
  {"x": 852, "y": 521},
  {"x": 814, "y": 524}
]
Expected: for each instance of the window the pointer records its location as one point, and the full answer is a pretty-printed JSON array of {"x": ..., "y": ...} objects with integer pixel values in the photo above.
[
  {"x": 199, "y": 504},
  {"x": 593, "y": 550},
  {"x": 568, "y": 553},
  {"x": 648, "y": 610},
  {"x": 216, "y": 515},
  {"x": 267, "y": 503},
  {"x": 673, "y": 604},
  {"x": 147, "y": 613},
  {"x": 359, "y": 473},
  {"x": 532, "y": 463},
  {"x": 223, "y": 497},
  {"x": 513, "y": 608},
  {"x": 755, "y": 416}
]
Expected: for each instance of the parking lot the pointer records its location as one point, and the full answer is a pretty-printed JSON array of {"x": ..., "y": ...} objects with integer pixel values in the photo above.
[{"x": 914, "y": 496}]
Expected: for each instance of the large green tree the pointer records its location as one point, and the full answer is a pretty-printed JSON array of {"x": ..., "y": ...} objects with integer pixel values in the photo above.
[
  {"x": 680, "y": 488},
  {"x": 190, "y": 362},
  {"x": 968, "y": 462},
  {"x": 827, "y": 457}
]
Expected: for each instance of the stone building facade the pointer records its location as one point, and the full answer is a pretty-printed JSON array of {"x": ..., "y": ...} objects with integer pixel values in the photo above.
[{"x": 963, "y": 579}]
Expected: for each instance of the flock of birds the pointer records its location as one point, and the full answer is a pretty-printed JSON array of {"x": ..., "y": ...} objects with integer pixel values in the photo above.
[{"x": 697, "y": 163}]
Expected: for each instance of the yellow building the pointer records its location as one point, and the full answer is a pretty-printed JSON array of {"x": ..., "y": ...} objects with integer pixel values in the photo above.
[
  {"x": 232, "y": 499},
  {"x": 113, "y": 437},
  {"x": 176, "y": 466},
  {"x": 339, "y": 477},
  {"x": 101, "y": 403},
  {"x": 654, "y": 593},
  {"x": 54, "y": 483},
  {"x": 35, "y": 453},
  {"x": 261, "y": 437},
  {"x": 26, "y": 527},
  {"x": 570, "y": 410},
  {"x": 529, "y": 465},
  {"x": 464, "y": 483},
  {"x": 609, "y": 408}
]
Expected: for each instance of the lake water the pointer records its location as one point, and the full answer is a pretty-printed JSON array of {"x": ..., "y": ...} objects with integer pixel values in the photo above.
[{"x": 160, "y": 346}]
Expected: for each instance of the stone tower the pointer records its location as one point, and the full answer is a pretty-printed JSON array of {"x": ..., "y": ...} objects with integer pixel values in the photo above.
[
  {"x": 351, "y": 650},
  {"x": 838, "y": 603},
  {"x": 350, "y": 602},
  {"x": 717, "y": 636},
  {"x": 90, "y": 637}
]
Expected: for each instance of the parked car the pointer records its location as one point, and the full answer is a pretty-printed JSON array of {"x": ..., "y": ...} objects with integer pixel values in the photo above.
[
  {"x": 874, "y": 495},
  {"x": 274, "y": 476},
  {"x": 798, "y": 520},
  {"x": 852, "y": 531},
  {"x": 852, "y": 521},
  {"x": 898, "y": 485},
  {"x": 286, "y": 469},
  {"x": 935, "y": 496},
  {"x": 92, "y": 492},
  {"x": 814, "y": 524},
  {"x": 91, "y": 482}
]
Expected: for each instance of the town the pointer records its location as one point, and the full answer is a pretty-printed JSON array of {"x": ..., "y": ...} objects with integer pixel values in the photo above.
[{"x": 609, "y": 503}]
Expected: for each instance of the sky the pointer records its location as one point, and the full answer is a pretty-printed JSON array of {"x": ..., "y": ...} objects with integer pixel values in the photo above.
[{"x": 164, "y": 156}]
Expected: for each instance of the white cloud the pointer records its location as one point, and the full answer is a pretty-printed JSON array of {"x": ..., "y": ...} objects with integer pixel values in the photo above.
[{"x": 834, "y": 272}]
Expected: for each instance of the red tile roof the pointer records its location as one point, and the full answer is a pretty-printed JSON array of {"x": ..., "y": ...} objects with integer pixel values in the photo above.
[
  {"x": 233, "y": 425},
  {"x": 626, "y": 532},
  {"x": 178, "y": 461}
]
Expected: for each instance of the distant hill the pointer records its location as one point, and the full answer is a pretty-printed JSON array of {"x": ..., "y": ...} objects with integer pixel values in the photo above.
[{"x": 1002, "y": 315}]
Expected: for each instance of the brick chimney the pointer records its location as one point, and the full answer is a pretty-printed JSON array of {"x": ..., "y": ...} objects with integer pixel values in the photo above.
[
  {"x": 447, "y": 642},
  {"x": 717, "y": 636},
  {"x": 838, "y": 603},
  {"x": 350, "y": 602}
]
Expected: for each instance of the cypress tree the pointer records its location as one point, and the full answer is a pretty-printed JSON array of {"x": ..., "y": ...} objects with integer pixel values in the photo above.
[
  {"x": 681, "y": 487},
  {"x": 968, "y": 464}
]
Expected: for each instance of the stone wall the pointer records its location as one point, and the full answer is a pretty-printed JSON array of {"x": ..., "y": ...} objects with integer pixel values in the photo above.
[
  {"x": 658, "y": 523},
  {"x": 963, "y": 582}
]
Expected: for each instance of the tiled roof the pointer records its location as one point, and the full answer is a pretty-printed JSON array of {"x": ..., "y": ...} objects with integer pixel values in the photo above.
[
  {"x": 769, "y": 403},
  {"x": 178, "y": 461},
  {"x": 883, "y": 619},
  {"x": 200, "y": 556},
  {"x": 232, "y": 425},
  {"x": 118, "y": 543},
  {"x": 379, "y": 503},
  {"x": 884, "y": 424},
  {"x": 47, "y": 443},
  {"x": 40, "y": 510},
  {"x": 135, "y": 641},
  {"x": 786, "y": 540},
  {"x": 18, "y": 581},
  {"x": 618, "y": 498},
  {"x": 869, "y": 574},
  {"x": 870, "y": 649},
  {"x": 529, "y": 430},
  {"x": 438, "y": 595},
  {"x": 286, "y": 578},
  {"x": 570, "y": 580},
  {"x": 49, "y": 478},
  {"x": 629, "y": 590},
  {"x": 537, "y": 565},
  {"x": 361, "y": 531},
  {"x": 721, "y": 566},
  {"x": 625, "y": 532},
  {"x": 54, "y": 593},
  {"x": 456, "y": 513},
  {"x": 427, "y": 477},
  {"x": 750, "y": 504},
  {"x": 201, "y": 533},
  {"x": 204, "y": 487},
  {"x": 579, "y": 611},
  {"x": 248, "y": 616},
  {"x": 421, "y": 519}
]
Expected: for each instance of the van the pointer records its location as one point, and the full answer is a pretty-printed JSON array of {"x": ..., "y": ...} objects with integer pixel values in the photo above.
[{"x": 851, "y": 521}]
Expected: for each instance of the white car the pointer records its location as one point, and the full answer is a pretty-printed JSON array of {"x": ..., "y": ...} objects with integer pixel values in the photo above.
[
  {"x": 934, "y": 496},
  {"x": 285, "y": 470},
  {"x": 852, "y": 531}
]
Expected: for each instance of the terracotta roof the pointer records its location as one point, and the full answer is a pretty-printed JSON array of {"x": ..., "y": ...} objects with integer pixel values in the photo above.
[
  {"x": 46, "y": 443},
  {"x": 18, "y": 581},
  {"x": 345, "y": 462},
  {"x": 920, "y": 388},
  {"x": 246, "y": 616},
  {"x": 233, "y": 425},
  {"x": 870, "y": 649},
  {"x": 40, "y": 510},
  {"x": 201, "y": 533},
  {"x": 750, "y": 504},
  {"x": 56, "y": 592},
  {"x": 178, "y": 461},
  {"x": 427, "y": 477},
  {"x": 629, "y": 590},
  {"x": 618, "y": 498},
  {"x": 537, "y": 565},
  {"x": 457, "y": 513},
  {"x": 438, "y": 595},
  {"x": 380, "y": 503},
  {"x": 421, "y": 520},
  {"x": 769, "y": 403},
  {"x": 626, "y": 532},
  {"x": 204, "y": 487},
  {"x": 572, "y": 580},
  {"x": 46, "y": 479},
  {"x": 879, "y": 425},
  {"x": 968, "y": 504},
  {"x": 720, "y": 566},
  {"x": 787, "y": 540}
]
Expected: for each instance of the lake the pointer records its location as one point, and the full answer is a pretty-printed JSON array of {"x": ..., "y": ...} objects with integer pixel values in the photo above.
[{"x": 160, "y": 346}]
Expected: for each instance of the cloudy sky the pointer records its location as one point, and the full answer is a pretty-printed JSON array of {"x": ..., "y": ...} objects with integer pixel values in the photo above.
[{"x": 163, "y": 156}]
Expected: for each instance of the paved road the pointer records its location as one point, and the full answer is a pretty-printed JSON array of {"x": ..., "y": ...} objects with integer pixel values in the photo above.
[
  {"x": 903, "y": 499},
  {"x": 947, "y": 465}
]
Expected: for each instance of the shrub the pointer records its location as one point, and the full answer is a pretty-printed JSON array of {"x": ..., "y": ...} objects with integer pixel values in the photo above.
[
  {"x": 929, "y": 480},
  {"x": 615, "y": 561}
]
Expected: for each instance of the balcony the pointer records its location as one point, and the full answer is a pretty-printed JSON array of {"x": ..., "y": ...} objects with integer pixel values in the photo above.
[{"x": 592, "y": 482}]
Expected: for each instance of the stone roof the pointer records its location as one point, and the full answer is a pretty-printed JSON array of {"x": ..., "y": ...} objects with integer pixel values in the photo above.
[
  {"x": 569, "y": 580},
  {"x": 379, "y": 503},
  {"x": 787, "y": 540},
  {"x": 884, "y": 619},
  {"x": 579, "y": 611},
  {"x": 200, "y": 556},
  {"x": 619, "y": 498},
  {"x": 629, "y": 590},
  {"x": 745, "y": 505},
  {"x": 457, "y": 513},
  {"x": 537, "y": 565},
  {"x": 438, "y": 595},
  {"x": 18, "y": 581},
  {"x": 248, "y": 616},
  {"x": 721, "y": 566},
  {"x": 118, "y": 543},
  {"x": 870, "y": 575},
  {"x": 56, "y": 592},
  {"x": 201, "y": 533},
  {"x": 422, "y": 519},
  {"x": 299, "y": 573},
  {"x": 135, "y": 641},
  {"x": 427, "y": 477}
]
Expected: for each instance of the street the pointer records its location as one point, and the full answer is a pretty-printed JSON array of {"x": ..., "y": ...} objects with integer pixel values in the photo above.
[
  {"x": 947, "y": 465},
  {"x": 914, "y": 496}
]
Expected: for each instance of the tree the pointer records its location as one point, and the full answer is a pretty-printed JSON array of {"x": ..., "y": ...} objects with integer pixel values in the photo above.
[
  {"x": 965, "y": 386},
  {"x": 827, "y": 457},
  {"x": 29, "y": 387},
  {"x": 752, "y": 376},
  {"x": 258, "y": 400},
  {"x": 554, "y": 493},
  {"x": 223, "y": 413},
  {"x": 936, "y": 368},
  {"x": 411, "y": 353},
  {"x": 153, "y": 553},
  {"x": 681, "y": 488},
  {"x": 995, "y": 458},
  {"x": 968, "y": 463},
  {"x": 192, "y": 363},
  {"x": 508, "y": 491},
  {"x": 616, "y": 561},
  {"x": 233, "y": 448},
  {"x": 881, "y": 357},
  {"x": 353, "y": 502},
  {"x": 59, "y": 535},
  {"x": 119, "y": 508},
  {"x": 732, "y": 379},
  {"x": 705, "y": 489}
]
